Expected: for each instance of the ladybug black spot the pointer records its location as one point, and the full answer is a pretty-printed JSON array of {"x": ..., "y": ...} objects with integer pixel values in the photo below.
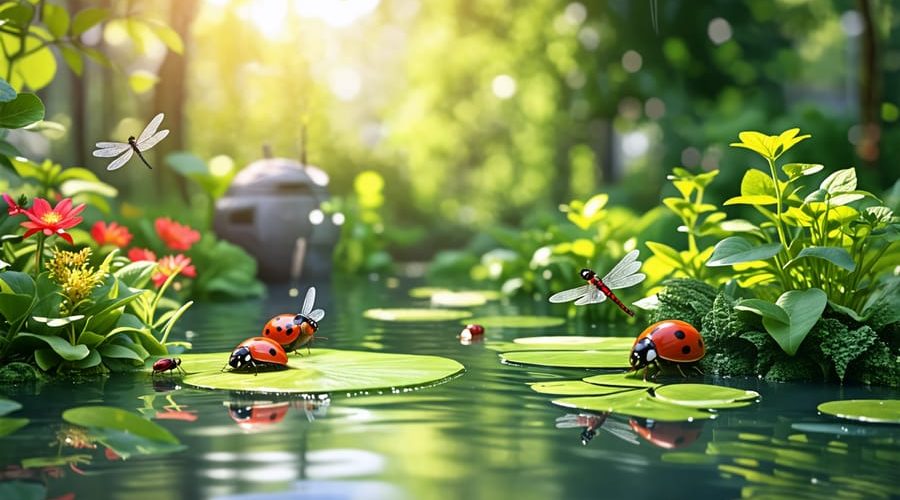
[
  {"x": 686, "y": 349},
  {"x": 267, "y": 331},
  {"x": 279, "y": 328},
  {"x": 289, "y": 331},
  {"x": 679, "y": 334},
  {"x": 272, "y": 351},
  {"x": 272, "y": 416}
]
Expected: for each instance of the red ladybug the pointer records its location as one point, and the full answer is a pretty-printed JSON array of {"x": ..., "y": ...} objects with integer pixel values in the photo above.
[
  {"x": 256, "y": 353},
  {"x": 668, "y": 435},
  {"x": 293, "y": 331},
  {"x": 671, "y": 340},
  {"x": 253, "y": 416},
  {"x": 471, "y": 331},
  {"x": 167, "y": 364}
]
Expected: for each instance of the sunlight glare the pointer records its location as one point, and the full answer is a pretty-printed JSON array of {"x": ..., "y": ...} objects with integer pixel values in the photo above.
[
  {"x": 335, "y": 13},
  {"x": 220, "y": 166},
  {"x": 269, "y": 16},
  {"x": 345, "y": 83},
  {"x": 504, "y": 86}
]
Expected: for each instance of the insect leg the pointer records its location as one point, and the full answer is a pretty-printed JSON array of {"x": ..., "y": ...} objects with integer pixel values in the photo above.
[{"x": 678, "y": 365}]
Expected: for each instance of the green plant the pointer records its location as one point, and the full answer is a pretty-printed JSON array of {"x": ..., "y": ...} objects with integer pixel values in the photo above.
[
  {"x": 213, "y": 177},
  {"x": 364, "y": 237}
]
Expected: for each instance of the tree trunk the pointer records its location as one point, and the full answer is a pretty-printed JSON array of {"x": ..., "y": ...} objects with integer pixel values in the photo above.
[{"x": 870, "y": 89}]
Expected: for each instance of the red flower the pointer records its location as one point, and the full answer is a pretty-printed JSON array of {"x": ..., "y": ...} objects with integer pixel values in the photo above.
[
  {"x": 14, "y": 208},
  {"x": 174, "y": 235},
  {"x": 112, "y": 234},
  {"x": 169, "y": 265},
  {"x": 52, "y": 220},
  {"x": 137, "y": 254}
]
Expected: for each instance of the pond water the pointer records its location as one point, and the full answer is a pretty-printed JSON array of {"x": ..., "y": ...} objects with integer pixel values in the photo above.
[{"x": 483, "y": 434}]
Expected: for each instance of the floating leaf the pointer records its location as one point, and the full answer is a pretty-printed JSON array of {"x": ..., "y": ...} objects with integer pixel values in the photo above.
[
  {"x": 627, "y": 379},
  {"x": 415, "y": 314},
  {"x": 425, "y": 292},
  {"x": 635, "y": 404},
  {"x": 704, "y": 395},
  {"x": 864, "y": 410},
  {"x": 108, "y": 417},
  {"x": 10, "y": 425},
  {"x": 517, "y": 321},
  {"x": 325, "y": 370},
  {"x": 568, "y": 359},
  {"x": 564, "y": 343},
  {"x": 8, "y": 406},
  {"x": 458, "y": 299},
  {"x": 574, "y": 388}
]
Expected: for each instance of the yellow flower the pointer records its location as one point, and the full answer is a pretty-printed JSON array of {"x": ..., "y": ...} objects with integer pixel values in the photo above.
[
  {"x": 74, "y": 274},
  {"x": 769, "y": 146}
]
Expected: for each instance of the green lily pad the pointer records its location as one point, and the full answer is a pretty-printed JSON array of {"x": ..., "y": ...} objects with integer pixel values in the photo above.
[
  {"x": 635, "y": 404},
  {"x": 425, "y": 292},
  {"x": 10, "y": 425},
  {"x": 704, "y": 396},
  {"x": 574, "y": 388},
  {"x": 458, "y": 299},
  {"x": 416, "y": 314},
  {"x": 8, "y": 406},
  {"x": 864, "y": 410},
  {"x": 323, "y": 371},
  {"x": 563, "y": 343},
  {"x": 517, "y": 321},
  {"x": 626, "y": 379},
  {"x": 117, "y": 419},
  {"x": 568, "y": 359}
]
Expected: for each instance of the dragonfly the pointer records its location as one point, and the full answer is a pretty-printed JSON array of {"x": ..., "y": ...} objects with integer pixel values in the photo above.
[
  {"x": 623, "y": 275},
  {"x": 148, "y": 138}
]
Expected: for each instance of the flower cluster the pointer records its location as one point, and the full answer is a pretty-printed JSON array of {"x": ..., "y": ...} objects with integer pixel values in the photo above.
[
  {"x": 166, "y": 266},
  {"x": 73, "y": 273},
  {"x": 110, "y": 234},
  {"x": 175, "y": 235},
  {"x": 46, "y": 219}
]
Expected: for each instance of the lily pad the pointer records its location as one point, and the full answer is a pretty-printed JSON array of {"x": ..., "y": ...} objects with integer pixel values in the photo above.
[
  {"x": 864, "y": 410},
  {"x": 564, "y": 343},
  {"x": 458, "y": 299},
  {"x": 10, "y": 425},
  {"x": 416, "y": 314},
  {"x": 574, "y": 388},
  {"x": 568, "y": 359},
  {"x": 8, "y": 406},
  {"x": 627, "y": 379},
  {"x": 323, "y": 371},
  {"x": 635, "y": 404},
  {"x": 517, "y": 321},
  {"x": 425, "y": 292},
  {"x": 704, "y": 396}
]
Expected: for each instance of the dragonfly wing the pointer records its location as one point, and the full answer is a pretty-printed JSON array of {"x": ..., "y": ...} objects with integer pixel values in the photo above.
[
  {"x": 150, "y": 129},
  {"x": 316, "y": 315},
  {"x": 571, "y": 294},
  {"x": 622, "y": 431},
  {"x": 152, "y": 141},
  {"x": 627, "y": 281},
  {"x": 594, "y": 296},
  {"x": 110, "y": 149},
  {"x": 308, "y": 301},
  {"x": 118, "y": 162},
  {"x": 628, "y": 265}
]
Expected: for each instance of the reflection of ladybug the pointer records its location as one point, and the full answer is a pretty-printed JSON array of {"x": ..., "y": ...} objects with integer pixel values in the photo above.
[
  {"x": 671, "y": 340},
  {"x": 256, "y": 353},
  {"x": 667, "y": 435},
  {"x": 258, "y": 414},
  {"x": 295, "y": 330}
]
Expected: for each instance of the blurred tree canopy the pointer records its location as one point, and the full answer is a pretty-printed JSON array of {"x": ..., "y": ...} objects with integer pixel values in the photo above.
[{"x": 492, "y": 111}]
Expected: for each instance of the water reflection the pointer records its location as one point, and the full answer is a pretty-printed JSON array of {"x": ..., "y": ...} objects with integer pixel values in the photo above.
[
  {"x": 667, "y": 435},
  {"x": 253, "y": 416},
  {"x": 590, "y": 423}
]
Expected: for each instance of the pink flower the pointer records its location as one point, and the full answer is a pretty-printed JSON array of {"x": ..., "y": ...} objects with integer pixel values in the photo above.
[
  {"x": 138, "y": 254},
  {"x": 52, "y": 220},
  {"x": 172, "y": 264},
  {"x": 175, "y": 235},
  {"x": 112, "y": 234},
  {"x": 14, "y": 208}
]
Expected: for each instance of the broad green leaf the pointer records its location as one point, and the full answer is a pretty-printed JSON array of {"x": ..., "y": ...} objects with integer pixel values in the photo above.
[
  {"x": 845, "y": 198},
  {"x": 8, "y": 426},
  {"x": 680, "y": 206},
  {"x": 22, "y": 111},
  {"x": 74, "y": 187},
  {"x": 14, "y": 307},
  {"x": 627, "y": 379},
  {"x": 322, "y": 371},
  {"x": 8, "y": 406},
  {"x": 35, "y": 70},
  {"x": 762, "y": 144},
  {"x": 142, "y": 81},
  {"x": 703, "y": 395},
  {"x": 737, "y": 250},
  {"x": 840, "y": 181},
  {"x": 107, "y": 417},
  {"x": 7, "y": 93},
  {"x": 516, "y": 321},
  {"x": 136, "y": 274},
  {"x": 166, "y": 35},
  {"x": 20, "y": 14},
  {"x": 787, "y": 139},
  {"x": 46, "y": 359},
  {"x": 57, "y": 20},
  {"x": 864, "y": 410},
  {"x": 88, "y": 18},
  {"x": 804, "y": 308},
  {"x": 411, "y": 314},
  {"x": 118, "y": 351},
  {"x": 91, "y": 339},
  {"x": 60, "y": 346},
  {"x": 568, "y": 359},
  {"x": 765, "y": 309},
  {"x": 836, "y": 255},
  {"x": 574, "y": 388},
  {"x": 635, "y": 404},
  {"x": 760, "y": 199},
  {"x": 757, "y": 183},
  {"x": 794, "y": 170},
  {"x": 666, "y": 254},
  {"x": 73, "y": 59},
  {"x": 93, "y": 359}
]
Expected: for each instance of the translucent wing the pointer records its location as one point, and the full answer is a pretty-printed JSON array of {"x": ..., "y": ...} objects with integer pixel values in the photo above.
[
  {"x": 110, "y": 149},
  {"x": 153, "y": 140},
  {"x": 621, "y": 430},
  {"x": 572, "y": 294},
  {"x": 308, "y": 301},
  {"x": 594, "y": 296},
  {"x": 150, "y": 129},
  {"x": 623, "y": 275},
  {"x": 121, "y": 160},
  {"x": 627, "y": 281},
  {"x": 316, "y": 315}
]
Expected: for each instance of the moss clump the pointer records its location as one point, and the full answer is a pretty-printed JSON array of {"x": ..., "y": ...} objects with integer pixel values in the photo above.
[
  {"x": 19, "y": 373},
  {"x": 686, "y": 300}
]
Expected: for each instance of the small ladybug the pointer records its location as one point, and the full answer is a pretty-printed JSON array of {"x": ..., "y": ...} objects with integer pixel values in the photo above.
[
  {"x": 293, "y": 331},
  {"x": 471, "y": 331},
  {"x": 668, "y": 435},
  {"x": 256, "y": 353},
  {"x": 256, "y": 415},
  {"x": 671, "y": 340},
  {"x": 167, "y": 364}
]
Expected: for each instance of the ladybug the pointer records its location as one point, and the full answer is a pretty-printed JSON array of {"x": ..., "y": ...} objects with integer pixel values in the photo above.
[
  {"x": 293, "y": 331},
  {"x": 668, "y": 435},
  {"x": 255, "y": 415},
  {"x": 471, "y": 331},
  {"x": 671, "y": 340},
  {"x": 167, "y": 364},
  {"x": 256, "y": 353}
]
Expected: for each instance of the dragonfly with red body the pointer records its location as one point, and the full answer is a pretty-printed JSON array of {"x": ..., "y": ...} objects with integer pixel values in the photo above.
[{"x": 623, "y": 275}]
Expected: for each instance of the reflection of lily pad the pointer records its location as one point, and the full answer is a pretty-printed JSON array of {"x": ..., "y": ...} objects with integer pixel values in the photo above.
[
  {"x": 574, "y": 388},
  {"x": 517, "y": 321},
  {"x": 627, "y": 379},
  {"x": 117, "y": 419},
  {"x": 864, "y": 410},
  {"x": 704, "y": 395},
  {"x": 10, "y": 425},
  {"x": 635, "y": 404},
  {"x": 568, "y": 359},
  {"x": 8, "y": 406},
  {"x": 415, "y": 314},
  {"x": 325, "y": 370}
]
